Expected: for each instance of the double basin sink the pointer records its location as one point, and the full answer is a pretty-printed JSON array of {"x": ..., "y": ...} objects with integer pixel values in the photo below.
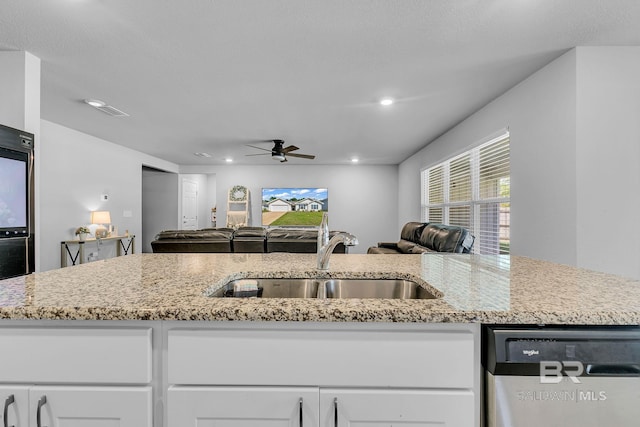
[{"x": 332, "y": 288}]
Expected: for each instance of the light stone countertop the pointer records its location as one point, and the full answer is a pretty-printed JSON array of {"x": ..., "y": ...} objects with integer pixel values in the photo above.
[{"x": 473, "y": 288}]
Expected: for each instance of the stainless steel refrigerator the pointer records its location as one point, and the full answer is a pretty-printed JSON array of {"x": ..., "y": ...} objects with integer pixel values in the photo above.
[{"x": 17, "y": 248}]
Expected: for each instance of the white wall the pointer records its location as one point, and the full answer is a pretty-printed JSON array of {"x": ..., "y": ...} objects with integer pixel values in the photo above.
[
  {"x": 540, "y": 115},
  {"x": 575, "y": 159},
  {"x": 159, "y": 204},
  {"x": 362, "y": 199},
  {"x": 75, "y": 170},
  {"x": 608, "y": 158}
]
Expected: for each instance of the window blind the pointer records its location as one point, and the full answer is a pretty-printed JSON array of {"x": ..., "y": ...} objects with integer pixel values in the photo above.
[{"x": 472, "y": 190}]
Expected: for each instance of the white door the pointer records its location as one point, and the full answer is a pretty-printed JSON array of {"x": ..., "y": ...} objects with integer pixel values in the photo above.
[
  {"x": 409, "y": 408},
  {"x": 15, "y": 403},
  {"x": 66, "y": 406},
  {"x": 189, "y": 204},
  {"x": 242, "y": 406}
]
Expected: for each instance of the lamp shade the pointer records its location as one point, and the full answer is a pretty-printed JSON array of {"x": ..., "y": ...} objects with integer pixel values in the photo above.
[{"x": 100, "y": 217}]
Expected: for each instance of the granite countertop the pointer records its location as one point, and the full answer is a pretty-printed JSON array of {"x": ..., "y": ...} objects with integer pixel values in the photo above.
[{"x": 473, "y": 288}]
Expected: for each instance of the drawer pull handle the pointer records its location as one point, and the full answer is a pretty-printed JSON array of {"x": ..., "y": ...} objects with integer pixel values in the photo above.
[
  {"x": 335, "y": 412},
  {"x": 41, "y": 403},
  {"x": 300, "y": 412},
  {"x": 11, "y": 399}
]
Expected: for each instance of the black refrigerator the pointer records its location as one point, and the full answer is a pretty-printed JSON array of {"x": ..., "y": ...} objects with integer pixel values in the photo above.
[{"x": 17, "y": 215}]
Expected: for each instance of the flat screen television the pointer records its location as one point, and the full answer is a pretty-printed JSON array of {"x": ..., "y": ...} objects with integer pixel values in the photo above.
[
  {"x": 294, "y": 206},
  {"x": 14, "y": 193}
]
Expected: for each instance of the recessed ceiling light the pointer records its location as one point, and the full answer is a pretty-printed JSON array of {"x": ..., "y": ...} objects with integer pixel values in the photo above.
[
  {"x": 228, "y": 160},
  {"x": 202, "y": 154},
  {"x": 354, "y": 160},
  {"x": 386, "y": 101},
  {"x": 95, "y": 102}
]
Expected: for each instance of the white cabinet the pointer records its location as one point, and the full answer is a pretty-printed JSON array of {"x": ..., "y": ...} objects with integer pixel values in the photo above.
[
  {"x": 373, "y": 408},
  {"x": 15, "y": 406},
  {"x": 346, "y": 375},
  {"x": 65, "y": 406},
  {"x": 313, "y": 407},
  {"x": 243, "y": 406},
  {"x": 76, "y": 377}
]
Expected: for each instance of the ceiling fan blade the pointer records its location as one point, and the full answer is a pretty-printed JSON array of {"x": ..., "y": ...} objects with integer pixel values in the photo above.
[
  {"x": 259, "y": 148},
  {"x": 302, "y": 156},
  {"x": 290, "y": 148},
  {"x": 259, "y": 154}
]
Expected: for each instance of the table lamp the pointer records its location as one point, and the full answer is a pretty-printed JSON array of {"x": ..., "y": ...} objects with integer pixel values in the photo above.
[{"x": 101, "y": 218}]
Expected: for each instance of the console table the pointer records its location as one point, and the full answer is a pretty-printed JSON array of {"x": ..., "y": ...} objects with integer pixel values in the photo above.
[{"x": 74, "y": 249}]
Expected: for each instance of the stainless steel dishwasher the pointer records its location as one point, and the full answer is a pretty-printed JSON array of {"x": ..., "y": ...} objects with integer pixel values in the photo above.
[{"x": 561, "y": 376}]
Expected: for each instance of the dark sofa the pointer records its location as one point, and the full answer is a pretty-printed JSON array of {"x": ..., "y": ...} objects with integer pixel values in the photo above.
[
  {"x": 419, "y": 237},
  {"x": 242, "y": 240}
]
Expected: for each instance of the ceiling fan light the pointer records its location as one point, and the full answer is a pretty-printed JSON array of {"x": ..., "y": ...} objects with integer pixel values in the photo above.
[{"x": 278, "y": 156}]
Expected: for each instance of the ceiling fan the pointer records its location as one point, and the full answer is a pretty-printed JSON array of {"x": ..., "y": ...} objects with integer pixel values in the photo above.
[{"x": 278, "y": 152}]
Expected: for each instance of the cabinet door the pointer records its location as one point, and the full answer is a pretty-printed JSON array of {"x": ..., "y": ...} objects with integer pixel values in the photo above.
[
  {"x": 242, "y": 406},
  {"x": 14, "y": 401},
  {"x": 90, "y": 406},
  {"x": 411, "y": 408}
]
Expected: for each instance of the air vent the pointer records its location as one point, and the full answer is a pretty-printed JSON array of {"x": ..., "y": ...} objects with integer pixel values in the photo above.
[
  {"x": 112, "y": 111},
  {"x": 202, "y": 154}
]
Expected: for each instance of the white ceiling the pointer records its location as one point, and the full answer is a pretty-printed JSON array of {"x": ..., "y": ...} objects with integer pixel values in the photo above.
[{"x": 214, "y": 75}]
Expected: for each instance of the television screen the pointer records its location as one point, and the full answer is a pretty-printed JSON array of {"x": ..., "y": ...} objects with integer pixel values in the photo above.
[
  {"x": 294, "y": 207},
  {"x": 13, "y": 190}
]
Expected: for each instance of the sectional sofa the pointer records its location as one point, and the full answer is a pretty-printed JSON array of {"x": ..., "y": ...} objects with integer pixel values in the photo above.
[
  {"x": 242, "y": 240},
  {"x": 419, "y": 237}
]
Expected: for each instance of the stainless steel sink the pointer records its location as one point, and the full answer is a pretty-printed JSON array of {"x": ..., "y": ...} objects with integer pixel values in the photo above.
[
  {"x": 376, "y": 288},
  {"x": 334, "y": 288}
]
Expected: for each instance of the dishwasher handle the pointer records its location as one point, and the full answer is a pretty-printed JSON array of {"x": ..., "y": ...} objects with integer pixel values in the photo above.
[{"x": 613, "y": 370}]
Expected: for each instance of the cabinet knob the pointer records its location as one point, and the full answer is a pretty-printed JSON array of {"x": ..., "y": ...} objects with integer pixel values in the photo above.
[{"x": 11, "y": 399}]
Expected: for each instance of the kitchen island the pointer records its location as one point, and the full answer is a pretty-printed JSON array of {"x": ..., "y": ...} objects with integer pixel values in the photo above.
[
  {"x": 474, "y": 288},
  {"x": 139, "y": 339}
]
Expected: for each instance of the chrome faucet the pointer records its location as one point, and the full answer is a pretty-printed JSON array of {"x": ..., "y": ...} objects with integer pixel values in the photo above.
[{"x": 326, "y": 245}]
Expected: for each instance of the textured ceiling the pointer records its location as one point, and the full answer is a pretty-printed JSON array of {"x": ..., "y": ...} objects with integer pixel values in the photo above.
[{"x": 214, "y": 75}]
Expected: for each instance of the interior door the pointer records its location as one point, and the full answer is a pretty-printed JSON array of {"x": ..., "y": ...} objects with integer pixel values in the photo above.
[
  {"x": 242, "y": 406},
  {"x": 189, "y": 204},
  {"x": 409, "y": 408}
]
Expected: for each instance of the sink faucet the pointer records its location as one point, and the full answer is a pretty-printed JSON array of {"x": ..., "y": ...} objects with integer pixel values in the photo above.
[{"x": 326, "y": 245}]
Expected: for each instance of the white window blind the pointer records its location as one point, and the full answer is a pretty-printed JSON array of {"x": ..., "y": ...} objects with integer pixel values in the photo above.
[{"x": 472, "y": 190}]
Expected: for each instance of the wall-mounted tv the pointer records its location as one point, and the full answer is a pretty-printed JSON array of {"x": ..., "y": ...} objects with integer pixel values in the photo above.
[{"x": 294, "y": 206}]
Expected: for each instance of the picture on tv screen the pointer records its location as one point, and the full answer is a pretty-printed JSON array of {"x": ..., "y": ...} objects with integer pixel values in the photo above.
[
  {"x": 294, "y": 207},
  {"x": 13, "y": 193}
]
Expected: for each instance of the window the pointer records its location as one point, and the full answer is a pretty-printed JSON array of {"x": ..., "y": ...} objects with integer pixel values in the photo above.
[{"x": 472, "y": 190}]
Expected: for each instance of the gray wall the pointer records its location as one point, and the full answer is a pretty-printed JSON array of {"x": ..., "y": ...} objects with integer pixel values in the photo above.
[
  {"x": 362, "y": 199},
  {"x": 540, "y": 115},
  {"x": 159, "y": 204},
  {"x": 608, "y": 159},
  {"x": 575, "y": 156},
  {"x": 76, "y": 169}
]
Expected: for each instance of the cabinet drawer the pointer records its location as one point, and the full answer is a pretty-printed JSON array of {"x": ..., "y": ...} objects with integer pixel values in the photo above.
[
  {"x": 75, "y": 355},
  {"x": 315, "y": 357}
]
